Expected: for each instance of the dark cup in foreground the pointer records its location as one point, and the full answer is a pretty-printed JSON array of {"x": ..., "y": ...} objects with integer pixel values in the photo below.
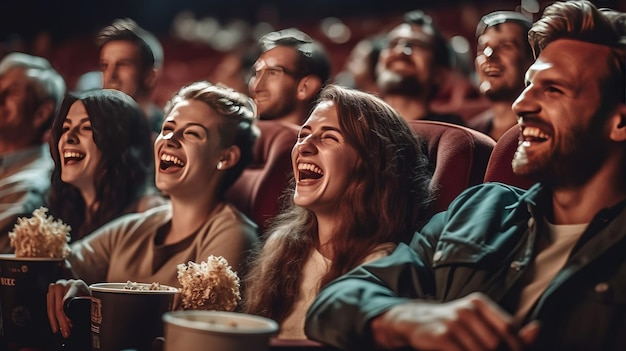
[
  {"x": 23, "y": 287},
  {"x": 127, "y": 319}
]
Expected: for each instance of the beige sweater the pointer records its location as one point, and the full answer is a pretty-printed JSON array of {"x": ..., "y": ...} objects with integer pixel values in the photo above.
[{"x": 125, "y": 249}]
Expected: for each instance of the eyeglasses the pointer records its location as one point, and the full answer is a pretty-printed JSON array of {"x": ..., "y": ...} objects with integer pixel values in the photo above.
[
  {"x": 409, "y": 46},
  {"x": 272, "y": 73}
]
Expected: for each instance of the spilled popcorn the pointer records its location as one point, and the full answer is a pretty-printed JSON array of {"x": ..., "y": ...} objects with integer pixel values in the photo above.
[
  {"x": 40, "y": 236},
  {"x": 210, "y": 285}
]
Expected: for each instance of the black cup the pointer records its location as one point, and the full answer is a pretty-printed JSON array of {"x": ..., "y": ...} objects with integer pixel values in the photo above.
[
  {"x": 127, "y": 319},
  {"x": 23, "y": 286}
]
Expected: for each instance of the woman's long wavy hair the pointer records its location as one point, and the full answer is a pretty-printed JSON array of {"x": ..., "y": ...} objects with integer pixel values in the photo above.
[
  {"x": 386, "y": 201},
  {"x": 126, "y": 167}
]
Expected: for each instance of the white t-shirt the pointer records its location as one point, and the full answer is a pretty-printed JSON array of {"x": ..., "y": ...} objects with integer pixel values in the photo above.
[
  {"x": 314, "y": 269},
  {"x": 554, "y": 249}
]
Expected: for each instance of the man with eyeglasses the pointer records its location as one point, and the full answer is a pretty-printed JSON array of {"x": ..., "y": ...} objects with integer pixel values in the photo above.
[
  {"x": 411, "y": 67},
  {"x": 288, "y": 75},
  {"x": 502, "y": 58}
]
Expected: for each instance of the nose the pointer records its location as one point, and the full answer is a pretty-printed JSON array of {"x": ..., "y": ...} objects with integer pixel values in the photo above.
[
  {"x": 402, "y": 47},
  {"x": 526, "y": 102},
  {"x": 489, "y": 52},
  {"x": 306, "y": 146},
  {"x": 109, "y": 73},
  {"x": 255, "y": 80},
  {"x": 397, "y": 49},
  {"x": 171, "y": 138},
  {"x": 70, "y": 137}
]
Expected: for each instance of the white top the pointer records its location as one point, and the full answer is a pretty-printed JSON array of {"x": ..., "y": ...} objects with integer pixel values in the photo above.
[
  {"x": 314, "y": 269},
  {"x": 553, "y": 254}
]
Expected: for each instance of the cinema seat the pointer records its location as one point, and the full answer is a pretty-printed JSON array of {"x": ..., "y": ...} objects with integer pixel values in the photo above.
[
  {"x": 258, "y": 190},
  {"x": 499, "y": 167},
  {"x": 458, "y": 156}
]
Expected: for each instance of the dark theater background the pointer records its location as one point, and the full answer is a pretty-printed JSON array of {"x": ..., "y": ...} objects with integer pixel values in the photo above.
[{"x": 199, "y": 36}]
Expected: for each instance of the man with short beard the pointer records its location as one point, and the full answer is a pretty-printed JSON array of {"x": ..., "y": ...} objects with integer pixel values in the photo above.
[
  {"x": 502, "y": 58},
  {"x": 411, "y": 67}
]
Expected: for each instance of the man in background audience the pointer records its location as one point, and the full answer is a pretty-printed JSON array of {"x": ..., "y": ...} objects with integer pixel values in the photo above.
[
  {"x": 411, "y": 67},
  {"x": 359, "y": 69},
  {"x": 130, "y": 60},
  {"x": 503, "y": 56},
  {"x": 30, "y": 92},
  {"x": 288, "y": 75}
]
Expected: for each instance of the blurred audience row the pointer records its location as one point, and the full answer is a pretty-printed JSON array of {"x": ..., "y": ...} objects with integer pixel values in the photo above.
[{"x": 145, "y": 188}]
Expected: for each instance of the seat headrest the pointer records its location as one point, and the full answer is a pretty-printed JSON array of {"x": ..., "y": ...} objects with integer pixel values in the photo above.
[
  {"x": 258, "y": 190},
  {"x": 499, "y": 168},
  {"x": 458, "y": 157}
]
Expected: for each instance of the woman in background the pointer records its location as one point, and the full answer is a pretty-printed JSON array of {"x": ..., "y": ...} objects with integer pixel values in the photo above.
[
  {"x": 103, "y": 162},
  {"x": 361, "y": 186}
]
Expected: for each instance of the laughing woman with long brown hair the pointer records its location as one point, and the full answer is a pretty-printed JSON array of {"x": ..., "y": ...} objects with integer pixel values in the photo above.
[{"x": 361, "y": 186}]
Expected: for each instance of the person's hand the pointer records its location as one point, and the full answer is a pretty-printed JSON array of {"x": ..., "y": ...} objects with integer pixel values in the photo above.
[
  {"x": 57, "y": 294},
  {"x": 470, "y": 323}
]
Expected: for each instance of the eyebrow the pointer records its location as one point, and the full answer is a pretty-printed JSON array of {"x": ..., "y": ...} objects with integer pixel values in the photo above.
[
  {"x": 324, "y": 129},
  {"x": 271, "y": 67},
  {"x": 82, "y": 120},
  {"x": 122, "y": 60},
  {"x": 482, "y": 42},
  {"x": 188, "y": 124},
  {"x": 558, "y": 82}
]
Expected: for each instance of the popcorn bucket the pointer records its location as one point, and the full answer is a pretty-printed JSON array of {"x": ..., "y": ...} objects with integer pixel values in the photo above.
[
  {"x": 23, "y": 287},
  {"x": 216, "y": 330},
  {"x": 122, "y": 318}
]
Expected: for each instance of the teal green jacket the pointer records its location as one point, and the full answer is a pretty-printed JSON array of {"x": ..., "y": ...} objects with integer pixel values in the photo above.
[{"x": 483, "y": 243}]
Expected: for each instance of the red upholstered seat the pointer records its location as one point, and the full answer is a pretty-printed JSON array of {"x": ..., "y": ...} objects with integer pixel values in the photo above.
[
  {"x": 499, "y": 168},
  {"x": 458, "y": 156},
  {"x": 259, "y": 188}
]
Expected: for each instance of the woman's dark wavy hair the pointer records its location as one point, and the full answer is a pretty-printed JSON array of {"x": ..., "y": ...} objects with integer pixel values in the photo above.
[
  {"x": 387, "y": 200},
  {"x": 237, "y": 125},
  {"x": 123, "y": 175}
]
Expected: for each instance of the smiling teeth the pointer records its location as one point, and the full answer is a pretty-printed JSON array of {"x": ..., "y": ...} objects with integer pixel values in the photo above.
[
  {"x": 310, "y": 167},
  {"x": 73, "y": 154},
  {"x": 491, "y": 69},
  {"x": 534, "y": 133},
  {"x": 173, "y": 159}
]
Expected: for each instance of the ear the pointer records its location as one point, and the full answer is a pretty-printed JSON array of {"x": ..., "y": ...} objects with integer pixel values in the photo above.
[
  {"x": 618, "y": 124},
  {"x": 43, "y": 113},
  {"x": 151, "y": 78},
  {"x": 230, "y": 157},
  {"x": 308, "y": 87}
]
